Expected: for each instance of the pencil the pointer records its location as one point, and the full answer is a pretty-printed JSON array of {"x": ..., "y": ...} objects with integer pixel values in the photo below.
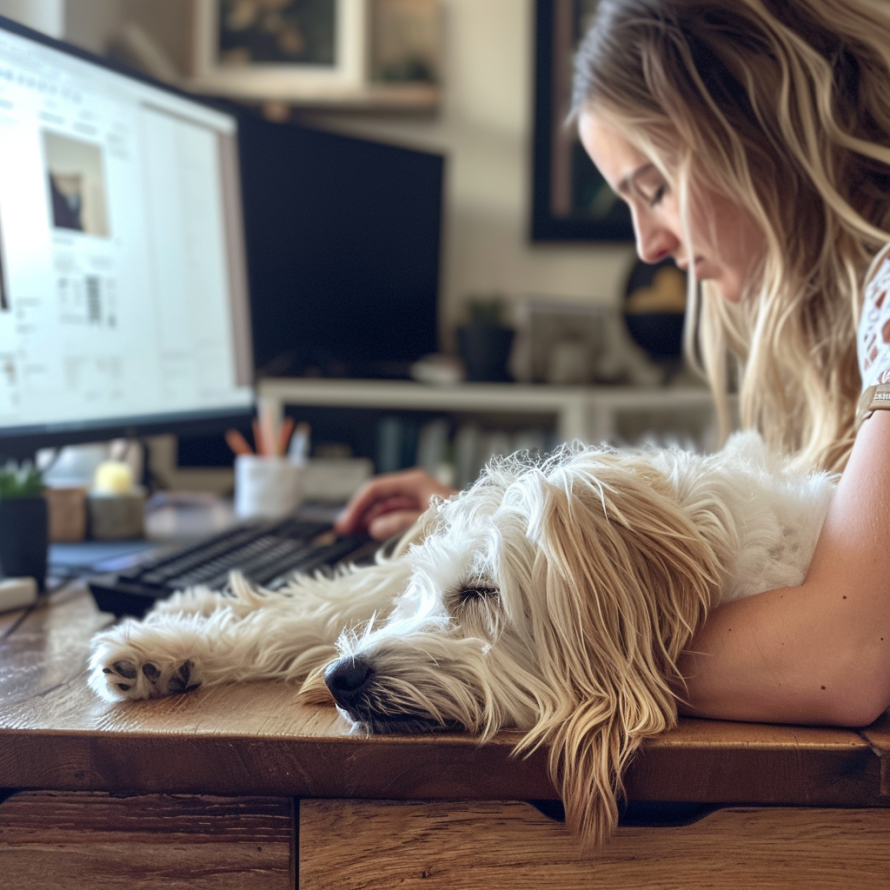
[
  {"x": 237, "y": 442},
  {"x": 284, "y": 434},
  {"x": 267, "y": 426},
  {"x": 258, "y": 438},
  {"x": 299, "y": 444}
]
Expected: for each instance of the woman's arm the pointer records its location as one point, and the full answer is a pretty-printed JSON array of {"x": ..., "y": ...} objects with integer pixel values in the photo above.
[{"x": 818, "y": 653}]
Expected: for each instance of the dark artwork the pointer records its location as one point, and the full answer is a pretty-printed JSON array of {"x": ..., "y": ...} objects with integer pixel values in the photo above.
[
  {"x": 570, "y": 200},
  {"x": 289, "y": 32}
]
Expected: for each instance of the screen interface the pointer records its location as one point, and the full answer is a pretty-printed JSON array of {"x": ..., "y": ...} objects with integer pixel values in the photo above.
[{"x": 123, "y": 291}]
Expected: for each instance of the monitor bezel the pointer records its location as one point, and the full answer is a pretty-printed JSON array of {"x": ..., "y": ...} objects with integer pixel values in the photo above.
[{"x": 22, "y": 442}]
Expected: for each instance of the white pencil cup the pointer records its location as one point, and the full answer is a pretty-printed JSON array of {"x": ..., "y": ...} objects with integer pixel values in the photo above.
[{"x": 266, "y": 487}]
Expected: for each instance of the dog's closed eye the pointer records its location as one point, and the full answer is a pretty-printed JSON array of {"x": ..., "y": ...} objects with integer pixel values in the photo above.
[
  {"x": 476, "y": 606},
  {"x": 474, "y": 592}
]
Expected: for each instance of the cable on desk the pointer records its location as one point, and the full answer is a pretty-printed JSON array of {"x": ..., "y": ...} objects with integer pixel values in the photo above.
[{"x": 41, "y": 599}]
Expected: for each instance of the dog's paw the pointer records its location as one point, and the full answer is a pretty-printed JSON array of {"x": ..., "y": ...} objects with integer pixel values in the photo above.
[
  {"x": 121, "y": 670},
  {"x": 122, "y": 679}
]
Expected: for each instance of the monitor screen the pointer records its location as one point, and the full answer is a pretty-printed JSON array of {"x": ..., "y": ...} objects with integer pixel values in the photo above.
[
  {"x": 123, "y": 282},
  {"x": 343, "y": 243}
]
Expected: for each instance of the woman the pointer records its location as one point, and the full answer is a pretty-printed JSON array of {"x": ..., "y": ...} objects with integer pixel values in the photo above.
[{"x": 750, "y": 140}]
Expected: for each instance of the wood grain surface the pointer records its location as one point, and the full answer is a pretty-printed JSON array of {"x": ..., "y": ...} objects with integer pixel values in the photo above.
[
  {"x": 257, "y": 739},
  {"x": 63, "y": 841},
  {"x": 511, "y": 846}
]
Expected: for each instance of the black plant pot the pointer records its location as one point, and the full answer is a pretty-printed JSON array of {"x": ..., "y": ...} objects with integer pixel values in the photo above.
[
  {"x": 24, "y": 538},
  {"x": 485, "y": 349}
]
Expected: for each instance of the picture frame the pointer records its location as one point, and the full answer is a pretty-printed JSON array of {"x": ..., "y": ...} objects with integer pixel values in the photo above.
[
  {"x": 294, "y": 49},
  {"x": 570, "y": 199},
  {"x": 405, "y": 42}
]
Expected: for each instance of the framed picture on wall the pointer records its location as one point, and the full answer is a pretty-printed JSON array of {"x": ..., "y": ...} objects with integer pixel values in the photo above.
[
  {"x": 279, "y": 50},
  {"x": 570, "y": 199}
]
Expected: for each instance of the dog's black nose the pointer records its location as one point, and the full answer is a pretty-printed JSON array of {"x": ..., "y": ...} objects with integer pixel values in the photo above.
[{"x": 346, "y": 679}]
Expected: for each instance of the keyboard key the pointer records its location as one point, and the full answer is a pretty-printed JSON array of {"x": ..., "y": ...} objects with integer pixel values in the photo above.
[{"x": 266, "y": 553}]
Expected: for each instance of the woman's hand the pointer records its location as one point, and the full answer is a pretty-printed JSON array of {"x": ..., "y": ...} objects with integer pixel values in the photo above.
[{"x": 390, "y": 504}]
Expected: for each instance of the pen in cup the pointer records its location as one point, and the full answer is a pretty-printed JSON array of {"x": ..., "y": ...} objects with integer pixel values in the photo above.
[
  {"x": 284, "y": 436},
  {"x": 298, "y": 449},
  {"x": 268, "y": 478},
  {"x": 267, "y": 429},
  {"x": 237, "y": 442},
  {"x": 290, "y": 439}
]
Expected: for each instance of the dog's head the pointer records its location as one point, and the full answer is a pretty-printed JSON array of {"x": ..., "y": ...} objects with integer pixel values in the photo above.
[{"x": 553, "y": 598}]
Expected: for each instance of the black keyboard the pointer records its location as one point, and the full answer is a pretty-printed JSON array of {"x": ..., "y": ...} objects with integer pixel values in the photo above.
[{"x": 266, "y": 552}]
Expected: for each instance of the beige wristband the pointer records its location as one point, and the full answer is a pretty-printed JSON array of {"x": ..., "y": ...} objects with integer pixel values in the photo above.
[{"x": 875, "y": 398}]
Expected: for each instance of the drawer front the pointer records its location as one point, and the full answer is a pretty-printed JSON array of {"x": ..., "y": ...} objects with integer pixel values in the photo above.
[
  {"x": 75, "y": 840},
  {"x": 493, "y": 845}
]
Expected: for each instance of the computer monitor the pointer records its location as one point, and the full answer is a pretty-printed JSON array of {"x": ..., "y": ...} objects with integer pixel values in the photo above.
[
  {"x": 123, "y": 282},
  {"x": 344, "y": 244}
]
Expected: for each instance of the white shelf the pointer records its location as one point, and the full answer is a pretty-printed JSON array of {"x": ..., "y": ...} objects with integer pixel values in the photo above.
[
  {"x": 591, "y": 414},
  {"x": 408, "y": 97}
]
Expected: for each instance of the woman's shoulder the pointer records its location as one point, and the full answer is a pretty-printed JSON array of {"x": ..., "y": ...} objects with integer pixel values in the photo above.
[{"x": 873, "y": 335}]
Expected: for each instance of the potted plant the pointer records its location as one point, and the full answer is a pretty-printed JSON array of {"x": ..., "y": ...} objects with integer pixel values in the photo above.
[
  {"x": 24, "y": 523},
  {"x": 485, "y": 341}
]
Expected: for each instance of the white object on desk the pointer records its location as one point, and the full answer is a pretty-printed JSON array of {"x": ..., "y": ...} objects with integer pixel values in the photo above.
[
  {"x": 113, "y": 477},
  {"x": 334, "y": 480},
  {"x": 16, "y": 593},
  {"x": 266, "y": 486}
]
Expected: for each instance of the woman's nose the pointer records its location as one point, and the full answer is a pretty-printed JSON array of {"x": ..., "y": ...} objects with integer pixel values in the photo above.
[{"x": 655, "y": 241}]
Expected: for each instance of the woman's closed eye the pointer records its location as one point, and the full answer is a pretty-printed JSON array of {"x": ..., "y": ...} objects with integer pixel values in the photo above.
[
  {"x": 648, "y": 186},
  {"x": 654, "y": 199},
  {"x": 650, "y": 190}
]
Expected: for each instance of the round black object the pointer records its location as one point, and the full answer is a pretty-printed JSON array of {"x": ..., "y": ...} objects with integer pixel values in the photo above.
[{"x": 654, "y": 308}]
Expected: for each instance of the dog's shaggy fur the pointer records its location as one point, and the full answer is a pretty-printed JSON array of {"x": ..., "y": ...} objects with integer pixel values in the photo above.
[{"x": 552, "y": 597}]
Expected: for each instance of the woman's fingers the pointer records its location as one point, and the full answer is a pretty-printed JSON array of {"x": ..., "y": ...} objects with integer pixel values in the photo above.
[
  {"x": 407, "y": 491},
  {"x": 388, "y": 525}
]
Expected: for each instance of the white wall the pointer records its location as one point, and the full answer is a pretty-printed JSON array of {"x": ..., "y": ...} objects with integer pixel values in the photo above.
[
  {"x": 47, "y": 16},
  {"x": 484, "y": 127}
]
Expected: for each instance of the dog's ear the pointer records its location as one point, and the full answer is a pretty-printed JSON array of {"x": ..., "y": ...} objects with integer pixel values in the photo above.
[
  {"x": 626, "y": 581},
  {"x": 423, "y": 526}
]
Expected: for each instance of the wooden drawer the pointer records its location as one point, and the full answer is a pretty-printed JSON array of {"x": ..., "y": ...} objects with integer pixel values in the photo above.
[
  {"x": 509, "y": 846},
  {"x": 73, "y": 841}
]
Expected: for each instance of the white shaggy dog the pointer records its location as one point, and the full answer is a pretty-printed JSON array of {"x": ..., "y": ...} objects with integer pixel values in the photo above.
[{"x": 553, "y": 597}]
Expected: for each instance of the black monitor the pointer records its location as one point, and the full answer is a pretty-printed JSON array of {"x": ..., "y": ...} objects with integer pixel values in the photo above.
[
  {"x": 343, "y": 243},
  {"x": 123, "y": 282}
]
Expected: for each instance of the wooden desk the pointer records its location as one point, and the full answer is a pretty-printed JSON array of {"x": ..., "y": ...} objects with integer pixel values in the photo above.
[{"x": 199, "y": 790}]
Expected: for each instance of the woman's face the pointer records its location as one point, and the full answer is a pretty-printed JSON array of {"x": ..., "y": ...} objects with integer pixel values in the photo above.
[{"x": 725, "y": 243}]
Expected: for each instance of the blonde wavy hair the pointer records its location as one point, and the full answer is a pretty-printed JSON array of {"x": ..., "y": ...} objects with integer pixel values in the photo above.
[{"x": 782, "y": 106}]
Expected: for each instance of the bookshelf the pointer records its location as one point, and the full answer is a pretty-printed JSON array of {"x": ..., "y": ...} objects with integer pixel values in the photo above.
[{"x": 482, "y": 419}]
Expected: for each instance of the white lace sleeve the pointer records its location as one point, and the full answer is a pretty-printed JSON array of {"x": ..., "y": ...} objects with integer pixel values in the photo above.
[{"x": 873, "y": 336}]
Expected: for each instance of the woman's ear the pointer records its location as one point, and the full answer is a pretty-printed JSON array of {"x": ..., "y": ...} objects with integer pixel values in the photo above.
[{"x": 626, "y": 581}]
